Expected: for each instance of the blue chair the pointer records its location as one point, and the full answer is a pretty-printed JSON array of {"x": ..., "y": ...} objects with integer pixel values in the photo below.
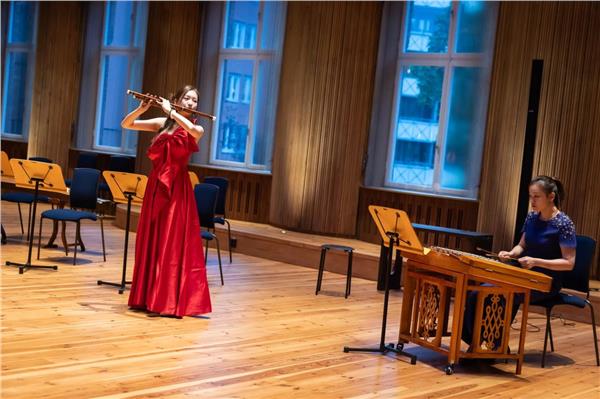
[
  {"x": 85, "y": 160},
  {"x": 23, "y": 198},
  {"x": 223, "y": 184},
  {"x": 83, "y": 195},
  {"x": 40, "y": 159},
  {"x": 577, "y": 279},
  {"x": 206, "y": 201}
]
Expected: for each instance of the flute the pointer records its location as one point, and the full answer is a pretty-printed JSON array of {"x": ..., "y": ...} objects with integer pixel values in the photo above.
[{"x": 155, "y": 101}]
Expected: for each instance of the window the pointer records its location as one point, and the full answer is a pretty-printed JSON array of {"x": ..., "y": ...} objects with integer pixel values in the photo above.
[
  {"x": 19, "y": 61},
  {"x": 121, "y": 66},
  {"x": 247, "y": 84},
  {"x": 440, "y": 101}
]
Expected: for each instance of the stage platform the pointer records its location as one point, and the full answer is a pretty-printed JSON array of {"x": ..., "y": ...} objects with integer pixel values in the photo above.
[{"x": 269, "y": 242}]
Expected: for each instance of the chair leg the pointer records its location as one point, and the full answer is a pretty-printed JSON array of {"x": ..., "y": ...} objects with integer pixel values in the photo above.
[
  {"x": 64, "y": 237},
  {"x": 77, "y": 231},
  {"x": 219, "y": 256},
  {"x": 20, "y": 217},
  {"x": 320, "y": 274},
  {"x": 550, "y": 335},
  {"x": 40, "y": 237},
  {"x": 206, "y": 251},
  {"x": 79, "y": 241},
  {"x": 102, "y": 233},
  {"x": 349, "y": 274},
  {"x": 546, "y": 336},
  {"x": 229, "y": 239},
  {"x": 594, "y": 330}
]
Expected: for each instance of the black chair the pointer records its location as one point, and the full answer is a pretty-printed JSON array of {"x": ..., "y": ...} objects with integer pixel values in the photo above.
[
  {"x": 223, "y": 184},
  {"x": 85, "y": 160},
  {"x": 83, "y": 195},
  {"x": 577, "y": 279},
  {"x": 206, "y": 201}
]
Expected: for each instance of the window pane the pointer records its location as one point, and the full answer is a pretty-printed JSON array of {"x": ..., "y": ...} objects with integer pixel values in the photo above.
[
  {"x": 119, "y": 22},
  {"x": 242, "y": 21},
  {"x": 427, "y": 30},
  {"x": 234, "y": 111},
  {"x": 272, "y": 27},
  {"x": 112, "y": 103},
  {"x": 15, "y": 80},
  {"x": 264, "y": 113},
  {"x": 21, "y": 22},
  {"x": 473, "y": 24},
  {"x": 417, "y": 125},
  {"x": 463, "y": 128}
]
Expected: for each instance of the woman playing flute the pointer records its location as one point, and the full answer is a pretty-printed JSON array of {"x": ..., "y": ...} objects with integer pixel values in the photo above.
[{"x": 169, "y": 276}]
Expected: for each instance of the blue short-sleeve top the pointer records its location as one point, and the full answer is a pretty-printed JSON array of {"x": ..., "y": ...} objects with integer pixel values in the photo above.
[{"x": 544, "y": 239}]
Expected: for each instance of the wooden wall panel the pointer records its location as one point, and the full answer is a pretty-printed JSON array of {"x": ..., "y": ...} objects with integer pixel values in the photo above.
[
  {"x": 435, "y": 211},
  {"x": 565, "y": 36},
  {"x": 57, "y": 80},
  {"x": 323, "y": 115},
  {"x": 171, "y": 60}
]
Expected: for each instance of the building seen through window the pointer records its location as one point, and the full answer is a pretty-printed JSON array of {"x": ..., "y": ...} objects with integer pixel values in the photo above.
[
  {"x": 249, "y": 63},
  {"x": 441, "y": 96},
  {"x": 121, "y": 67}
]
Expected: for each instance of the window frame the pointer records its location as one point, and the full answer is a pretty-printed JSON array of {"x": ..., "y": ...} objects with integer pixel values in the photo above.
[
  {"x": 449, "y": 61},
  {"x": 255, "y": 55},
  {"x": 135, "y": 50},
  {"x": 30, "y": 49}
]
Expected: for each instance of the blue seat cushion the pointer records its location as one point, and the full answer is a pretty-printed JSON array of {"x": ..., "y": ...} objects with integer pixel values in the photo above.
[
  {"x": 219, "y": 220},
  {"x": 207, "y": 235},
  {"x": 23, "y": 197},
  {"x": 68, "y": 215}
]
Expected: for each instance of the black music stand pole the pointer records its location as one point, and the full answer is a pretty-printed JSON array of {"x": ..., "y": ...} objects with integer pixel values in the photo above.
[
  {"x": 123, "y": 282},
  {"x": 383, "y": 348},
  {"x": 27, "y": 265}
]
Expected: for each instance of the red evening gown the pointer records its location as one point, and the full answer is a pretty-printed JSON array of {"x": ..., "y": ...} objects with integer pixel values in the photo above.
[{"x": 170, "y": 274}]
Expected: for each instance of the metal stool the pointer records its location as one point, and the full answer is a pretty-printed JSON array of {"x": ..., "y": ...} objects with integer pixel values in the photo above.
[{"x": 324, "y": 249}]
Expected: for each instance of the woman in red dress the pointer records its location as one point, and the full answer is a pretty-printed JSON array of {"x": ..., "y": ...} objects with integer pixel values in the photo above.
[{"x": 169, "y": 277}]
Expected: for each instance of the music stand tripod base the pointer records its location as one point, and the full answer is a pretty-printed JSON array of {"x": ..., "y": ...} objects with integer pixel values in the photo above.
[
  {"x": 125, "y": 189},
  {"x": 390, "y": 224},
  {"x": 36, "y": 175}
]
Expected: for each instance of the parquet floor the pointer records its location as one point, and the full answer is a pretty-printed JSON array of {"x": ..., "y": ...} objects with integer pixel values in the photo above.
[{"x": 269, "y": 336}]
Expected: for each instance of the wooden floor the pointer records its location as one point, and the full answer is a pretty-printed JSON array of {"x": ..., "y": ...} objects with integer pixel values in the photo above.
[{"x": 63, "y": 336}]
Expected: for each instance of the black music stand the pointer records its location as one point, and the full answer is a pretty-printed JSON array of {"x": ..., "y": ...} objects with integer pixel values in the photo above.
[
  {"x": 37, "y": 176},
  {"x": 395, "y": 230},
  {"x": 126, "y": 188}
]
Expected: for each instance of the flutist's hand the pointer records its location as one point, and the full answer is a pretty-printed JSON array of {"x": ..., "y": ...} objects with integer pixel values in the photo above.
[
  {"x": 144, "y": 105},
  {"x": 165, "y": 105}
]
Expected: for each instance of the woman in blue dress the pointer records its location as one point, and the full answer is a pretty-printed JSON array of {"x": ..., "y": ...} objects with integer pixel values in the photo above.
[{"x": 547, "y": 245}]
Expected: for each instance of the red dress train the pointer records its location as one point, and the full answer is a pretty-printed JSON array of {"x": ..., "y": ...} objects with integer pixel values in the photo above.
[{"x": 170, "y": 274}]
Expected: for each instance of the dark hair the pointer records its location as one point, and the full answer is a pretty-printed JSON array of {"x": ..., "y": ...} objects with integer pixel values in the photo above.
[
  {"x": 550, "y": 185},
  {"x": 176, "y": 98}
]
